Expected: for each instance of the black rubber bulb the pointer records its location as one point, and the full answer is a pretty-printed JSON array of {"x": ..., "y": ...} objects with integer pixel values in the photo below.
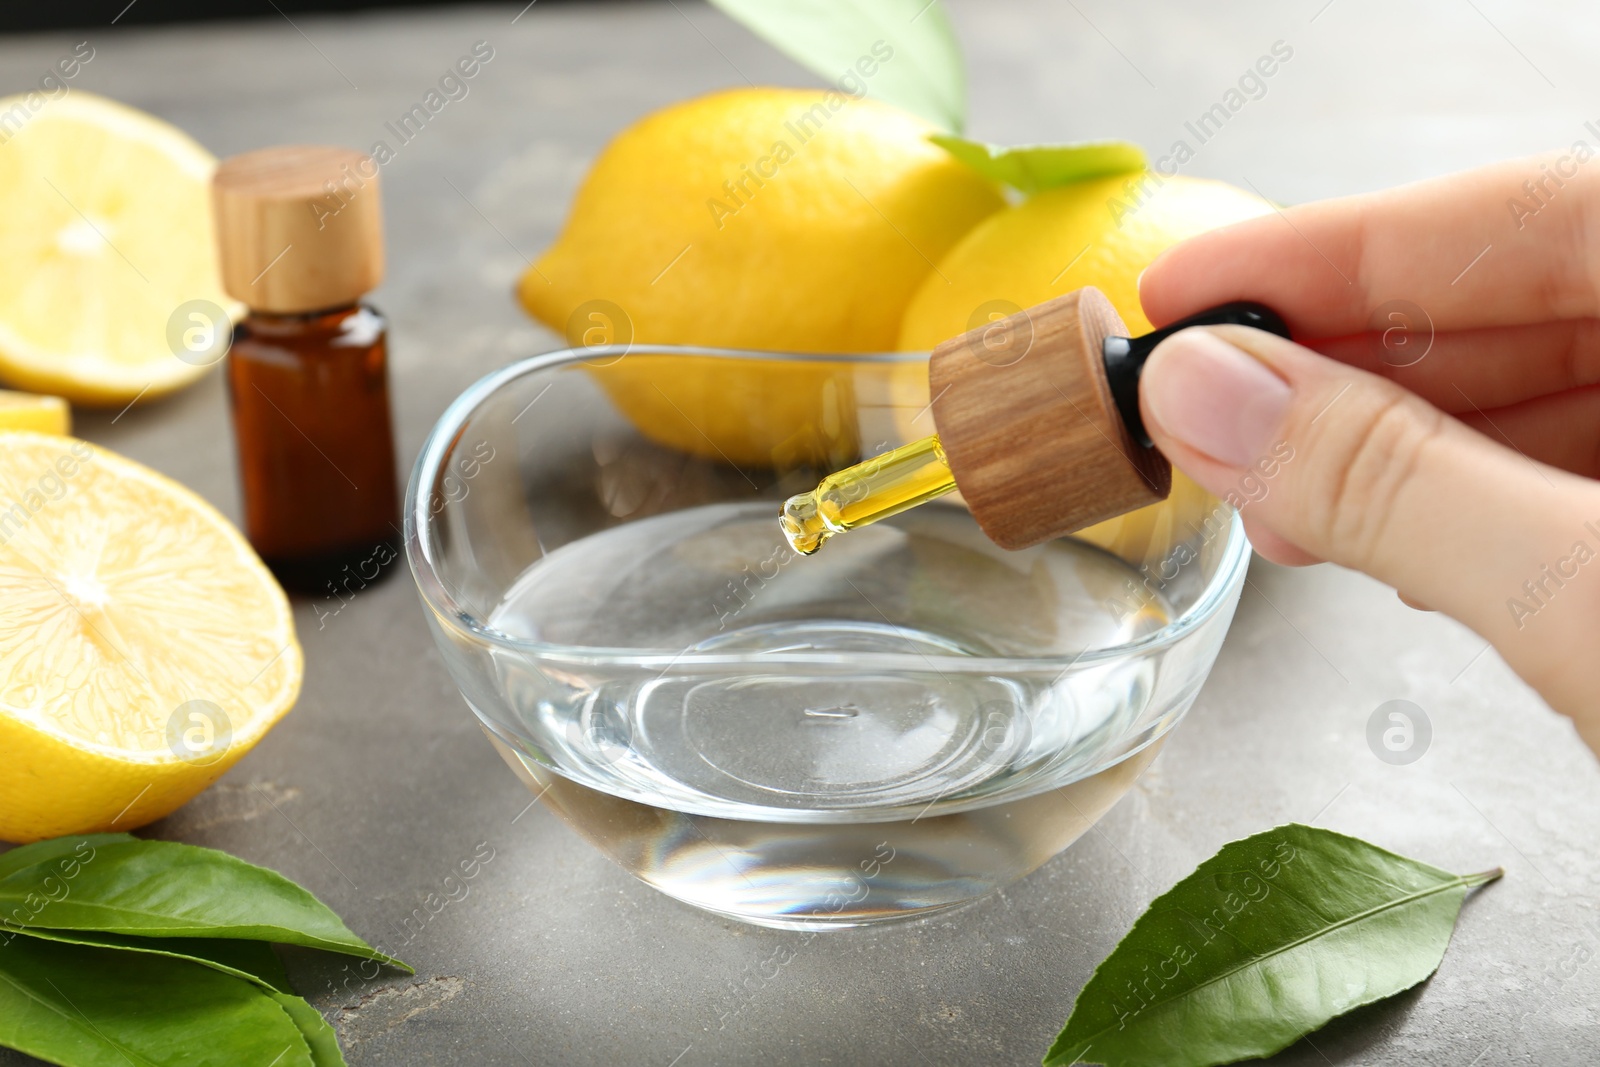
[{"x": 1125, "y": 356}]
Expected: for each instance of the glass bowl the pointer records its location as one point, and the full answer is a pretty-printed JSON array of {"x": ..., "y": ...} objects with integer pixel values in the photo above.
[{"x": 897, "y": 725}]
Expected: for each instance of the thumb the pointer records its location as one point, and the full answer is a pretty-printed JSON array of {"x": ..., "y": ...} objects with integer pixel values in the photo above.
[{"x": 1349, "y": 467}]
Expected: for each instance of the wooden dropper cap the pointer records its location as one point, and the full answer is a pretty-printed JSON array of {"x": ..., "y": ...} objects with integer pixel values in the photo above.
[
  {"x": 1038, "y": 415},
  {"x": 299, "y": 227},
  {"x": 1030, "y": 426}
]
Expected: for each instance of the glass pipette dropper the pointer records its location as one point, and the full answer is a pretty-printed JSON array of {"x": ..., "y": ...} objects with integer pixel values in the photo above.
[
  {"x": 916, "y": 473},
  {"x": 873, "y": 489}
]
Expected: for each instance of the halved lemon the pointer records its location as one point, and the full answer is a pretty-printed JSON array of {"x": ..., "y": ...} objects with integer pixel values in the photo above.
[
  {"x": 29, "y": 411},
  {"x": 106, "y": 251},
  {"x": 144, "y": 648}
]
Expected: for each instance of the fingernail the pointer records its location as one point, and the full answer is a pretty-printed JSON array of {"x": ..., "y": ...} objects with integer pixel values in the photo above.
[{"x": 1215, "y": 398}]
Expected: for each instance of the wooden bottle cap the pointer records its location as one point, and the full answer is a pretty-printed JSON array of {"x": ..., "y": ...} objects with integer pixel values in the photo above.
[
  {"x": 1030, "y": 428},
  {"x": 299, "y": 227}
]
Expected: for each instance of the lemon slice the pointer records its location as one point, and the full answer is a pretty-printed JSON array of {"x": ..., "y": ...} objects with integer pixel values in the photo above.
[
  {"x": 106, "y": 252},
  {"x": 28, "y": 411},
  {"x": 144, "y": 648}
]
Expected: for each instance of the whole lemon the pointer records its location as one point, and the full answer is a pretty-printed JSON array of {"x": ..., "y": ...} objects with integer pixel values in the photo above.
[
  {"x": 779, "y": 219},
  {"x": 1102, "y": 232}
]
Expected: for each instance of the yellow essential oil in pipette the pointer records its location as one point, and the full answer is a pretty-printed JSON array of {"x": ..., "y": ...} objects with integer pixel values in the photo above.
[{"x": 873, "y": 489}]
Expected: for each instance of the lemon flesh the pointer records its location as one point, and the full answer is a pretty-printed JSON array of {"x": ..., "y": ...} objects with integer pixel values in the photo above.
[
  {"x": 28, "y": 411},
  {"x": 144, "y": 648},
  {"x": 107, "y": 233},
  {"x": 777, "y": 219}
]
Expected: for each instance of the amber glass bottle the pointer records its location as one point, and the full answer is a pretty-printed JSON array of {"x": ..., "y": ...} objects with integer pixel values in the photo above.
[{"x": 299, "y": 230}]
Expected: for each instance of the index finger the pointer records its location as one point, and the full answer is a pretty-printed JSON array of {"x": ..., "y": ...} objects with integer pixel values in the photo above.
[{"x": 1502, "y": 245}]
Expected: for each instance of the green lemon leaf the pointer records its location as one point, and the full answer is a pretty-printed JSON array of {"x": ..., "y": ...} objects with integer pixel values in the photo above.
[
  {"x": 254, "y": 961},
  {"x": 319, "y": 1036},
  {"x": 165, "y": 889},
  {"x": 1031, "y": 168},
  {"x": 55, "y": 850},
  {"x": 903, "y": 52},
  {"x": 91, "y": 1007},
  {"x": 1264, "y": 943}
]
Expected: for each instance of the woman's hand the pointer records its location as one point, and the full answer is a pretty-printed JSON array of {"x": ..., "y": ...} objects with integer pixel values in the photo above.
[{"x": 1464, "y": 478}]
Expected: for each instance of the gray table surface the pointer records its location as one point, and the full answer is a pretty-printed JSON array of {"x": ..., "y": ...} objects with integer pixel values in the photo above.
[{"x": 379, "y": 783}]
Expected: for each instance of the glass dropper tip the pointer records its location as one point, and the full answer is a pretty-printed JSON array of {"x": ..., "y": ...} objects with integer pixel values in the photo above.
[
  {"x": 873, "y": 489},
  {"x": 802, "y": 523}
]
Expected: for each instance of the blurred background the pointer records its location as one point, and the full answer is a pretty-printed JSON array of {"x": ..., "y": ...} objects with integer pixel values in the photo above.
[{"x": 31, "y": 15}]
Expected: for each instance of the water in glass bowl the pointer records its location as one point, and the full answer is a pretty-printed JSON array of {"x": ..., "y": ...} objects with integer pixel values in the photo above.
[{"x": 833, "y": 739}]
